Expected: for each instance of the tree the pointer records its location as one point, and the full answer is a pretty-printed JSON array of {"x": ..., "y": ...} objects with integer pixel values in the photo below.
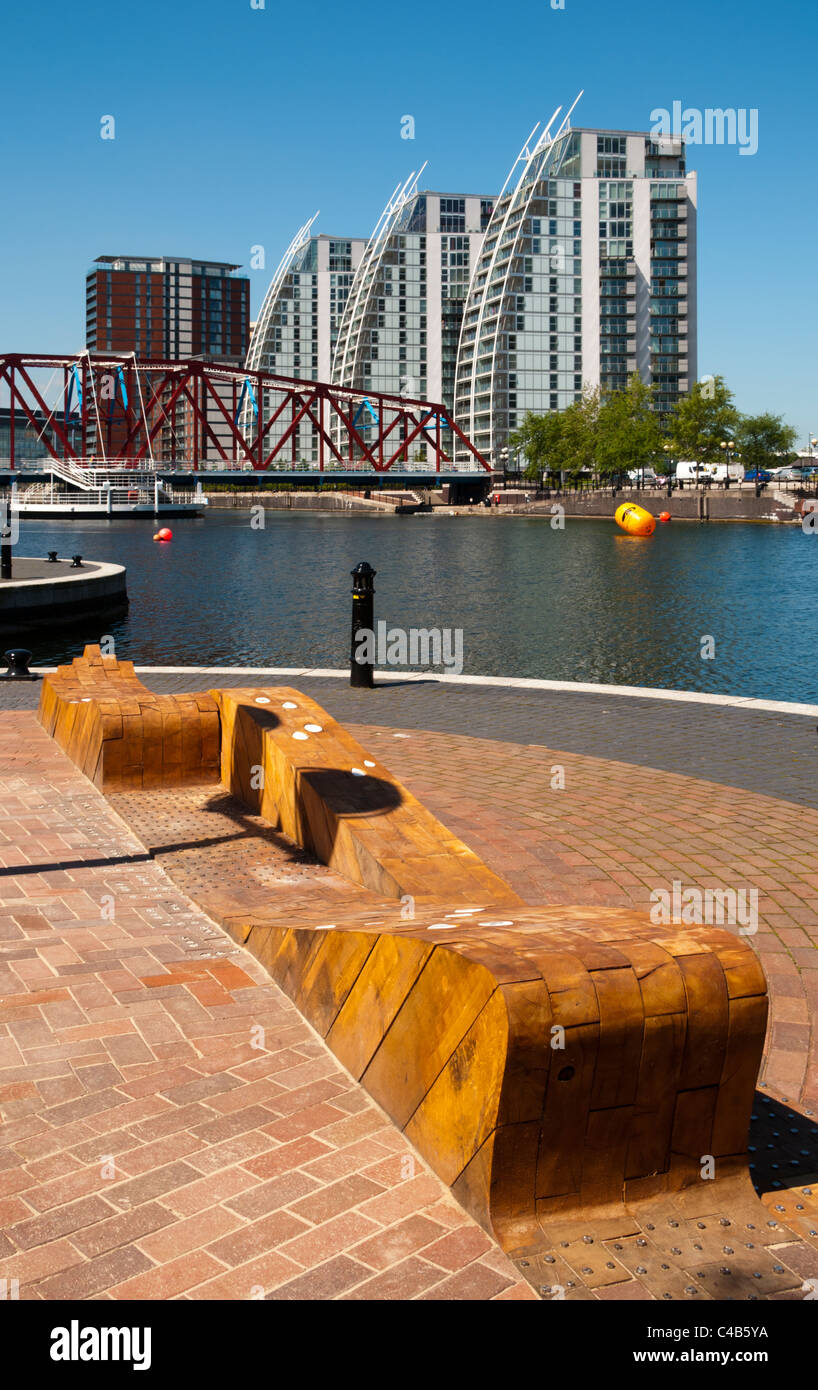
[
  {"x": 561, "y": 441},
  {"x": 701, "y": 420},
  {"x": 628, "y": 431},
  {"x": 764, "y": 440}
]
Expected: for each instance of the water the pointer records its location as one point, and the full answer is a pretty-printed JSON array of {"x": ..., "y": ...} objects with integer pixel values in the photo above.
[{"x": 585, "y": 604}]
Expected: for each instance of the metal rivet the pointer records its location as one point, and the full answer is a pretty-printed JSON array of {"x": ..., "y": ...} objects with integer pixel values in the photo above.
[
  {"x": 724, "y": 1270},
  {"x": 549, "y": 1259}
]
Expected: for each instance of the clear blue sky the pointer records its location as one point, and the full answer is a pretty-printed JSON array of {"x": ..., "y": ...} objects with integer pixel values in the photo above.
[{"x": 234, "y": 124}]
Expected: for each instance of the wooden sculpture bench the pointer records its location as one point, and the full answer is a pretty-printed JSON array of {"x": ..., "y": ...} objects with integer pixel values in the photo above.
[
  {"x": 123, "y": 736},
  {"x": 547, "y": 1062}
]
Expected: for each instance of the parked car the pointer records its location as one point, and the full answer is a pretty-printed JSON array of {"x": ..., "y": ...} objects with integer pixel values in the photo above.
[
  {"x": 644, "y": 476},
  {"x": 688, "y": 471},
  {"x": 792, "y": 474},
  {"x": 757, "y": 475}
]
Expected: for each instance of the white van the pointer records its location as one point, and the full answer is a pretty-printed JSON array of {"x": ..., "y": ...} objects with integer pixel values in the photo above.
[{"x": 687, "y": 472}]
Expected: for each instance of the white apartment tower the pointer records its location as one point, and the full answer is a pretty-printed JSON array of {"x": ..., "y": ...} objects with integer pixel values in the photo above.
[{"x": 587, "y": 274}]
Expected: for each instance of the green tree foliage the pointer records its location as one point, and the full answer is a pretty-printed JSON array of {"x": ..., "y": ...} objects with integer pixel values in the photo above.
[
  {"x": 628, "y": 433},
  {"x": 764, "y": 441},
  {"x": 622, "y": 431},
  {"x": 701, "y": 420},
  {"x": 562, "y": 441}
]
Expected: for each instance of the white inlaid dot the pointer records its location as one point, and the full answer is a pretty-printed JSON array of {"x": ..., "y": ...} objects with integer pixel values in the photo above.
[
  {"x": 441, "y": 926},
  {"x": 288, "y": 704},
  {"x": 262, "y": 699},
  {"x": 86, "y": 700},
  {"x": 326, "y": 926},
  {"x": 368, "y": 762},
  {"x": 357, "y": 772},
  {"x": 496, "y": 924},
  {"x": 314, "y": 728},
  {"x": 301, "y": 737}
]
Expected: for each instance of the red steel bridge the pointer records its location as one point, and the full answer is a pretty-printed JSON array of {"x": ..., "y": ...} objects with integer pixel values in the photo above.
[{"x": 144, "y": 413}]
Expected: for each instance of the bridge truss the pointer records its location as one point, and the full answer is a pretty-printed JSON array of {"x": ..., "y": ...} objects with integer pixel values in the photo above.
[{"x": 149, "y": 412}]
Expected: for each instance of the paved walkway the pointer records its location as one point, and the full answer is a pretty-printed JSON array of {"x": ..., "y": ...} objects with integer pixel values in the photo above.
[
  {"x": 132, "y": 1093},
  {"x": 170, "y": 1127},
  {"x": 775, "y": 753}
]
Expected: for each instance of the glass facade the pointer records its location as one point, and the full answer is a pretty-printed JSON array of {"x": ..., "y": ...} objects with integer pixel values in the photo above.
[
  {"x": 401, "y": 329},
  {"x": 521, "y": 342},
  {"x": 584, "y": 277},
  {"x": 298, "y": 325}
]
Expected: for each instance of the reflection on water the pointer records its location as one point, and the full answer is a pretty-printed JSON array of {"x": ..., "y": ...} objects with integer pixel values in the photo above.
[{"x": 587, "y": 603}]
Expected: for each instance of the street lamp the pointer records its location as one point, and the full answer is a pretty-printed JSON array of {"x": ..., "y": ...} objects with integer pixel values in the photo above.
[
  {"x": 504, "y": 457},
  {"x": 728, "y": 446},
  {"x": 667, "y": 451}
]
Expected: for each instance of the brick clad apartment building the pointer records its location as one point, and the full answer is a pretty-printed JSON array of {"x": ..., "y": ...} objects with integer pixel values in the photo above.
[{"x": 169, "y": 308}]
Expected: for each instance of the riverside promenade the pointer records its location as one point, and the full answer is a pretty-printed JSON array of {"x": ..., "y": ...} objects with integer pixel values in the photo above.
[{"x": 147, "y": 1150}]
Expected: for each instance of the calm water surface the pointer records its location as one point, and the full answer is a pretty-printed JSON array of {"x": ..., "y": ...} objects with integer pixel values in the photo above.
[{"x": 586, "y": 604}]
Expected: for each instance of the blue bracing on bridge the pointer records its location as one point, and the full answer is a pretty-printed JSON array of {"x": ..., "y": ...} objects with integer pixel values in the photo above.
[{"x": 246, "y": 390}]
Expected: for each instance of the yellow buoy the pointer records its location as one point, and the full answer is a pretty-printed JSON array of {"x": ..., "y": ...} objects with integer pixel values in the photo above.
[{"x": 635, "y": 520}]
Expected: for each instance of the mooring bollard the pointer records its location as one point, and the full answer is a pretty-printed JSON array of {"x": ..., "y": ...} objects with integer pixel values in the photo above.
[
  {"x": 363, "y": 624},
  {"x": 76, "y": 562},
  {"x": 52, "y": 557},
  {"x": 18, "y": 659}
]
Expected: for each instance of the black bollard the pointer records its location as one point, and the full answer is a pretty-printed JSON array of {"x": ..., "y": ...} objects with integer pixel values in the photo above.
[
  {"x": 363, "y": 622},
  {"x": 18, "y": 659},
  {"x": 52, "y": 557},
  {"x": 5, "y": 544},
  {"x": 76, "y": 562}
]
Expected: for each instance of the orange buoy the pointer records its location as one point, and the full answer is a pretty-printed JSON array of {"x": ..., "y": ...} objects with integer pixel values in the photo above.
[
  {"x": 664, "y": 516},
  {"x": 635, "y": 520},
  {"x": 164, "y": 534}
]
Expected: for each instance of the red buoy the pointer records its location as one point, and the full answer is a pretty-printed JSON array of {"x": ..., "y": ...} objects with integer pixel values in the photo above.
[
  {"x": 164, "y": 534},
  {"x": 664, "y": 516}
]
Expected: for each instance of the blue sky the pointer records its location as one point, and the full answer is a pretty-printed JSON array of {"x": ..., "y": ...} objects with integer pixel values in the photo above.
[{"x": 234, "y": 124}]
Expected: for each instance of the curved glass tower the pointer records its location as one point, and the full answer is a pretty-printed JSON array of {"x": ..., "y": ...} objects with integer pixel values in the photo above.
[
  {"x": 298, "y": 323},
  {"x": 401, "y": 328},
  {"x": 587, "y": 275}
]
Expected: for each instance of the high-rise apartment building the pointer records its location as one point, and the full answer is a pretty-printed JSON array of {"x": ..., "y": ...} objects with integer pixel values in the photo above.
[
  {"x": 167, "y": 307},
  {"x": 299, "y": 321},
  {"x": 401, "y": 327},
  {"x": 587, "y": 274}
]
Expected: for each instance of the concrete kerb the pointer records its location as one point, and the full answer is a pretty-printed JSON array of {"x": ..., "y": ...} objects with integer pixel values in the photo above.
[{"x": 637, "y": 692}]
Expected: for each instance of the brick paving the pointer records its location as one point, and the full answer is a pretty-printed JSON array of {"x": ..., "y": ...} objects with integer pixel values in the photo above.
[
  {"x": 244, "y": 1174},
  {"x": 531, "y": 833},
  {"x": 170, "y": 1127}
]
